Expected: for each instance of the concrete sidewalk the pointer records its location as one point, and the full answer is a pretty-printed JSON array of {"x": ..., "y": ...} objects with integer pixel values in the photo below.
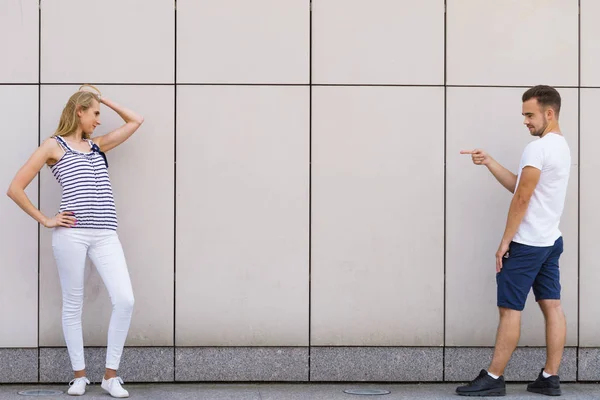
[{"x": 202, "y": 391}]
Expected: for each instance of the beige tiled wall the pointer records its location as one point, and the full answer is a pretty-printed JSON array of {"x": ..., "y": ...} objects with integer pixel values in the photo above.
[
  {"x": 19, "y": 233},
  {"x": 590, "y": 221},
  {"x": 377, "y": 216},
  {"x": 380, "y": 42},
  {"x": 242, "y": 216},
  {"x": 512, "y": 42},
  {"x": 257, "y": 209},
  {"x": 590, "y": 46},
  {"x": 19, "y": 21},
  {"x": 239, "y": 41},
  {"x": 112, "y": 41}
]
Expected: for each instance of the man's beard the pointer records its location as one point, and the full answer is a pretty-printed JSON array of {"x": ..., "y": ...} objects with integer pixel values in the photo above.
[{"x": 540, "y": 131}]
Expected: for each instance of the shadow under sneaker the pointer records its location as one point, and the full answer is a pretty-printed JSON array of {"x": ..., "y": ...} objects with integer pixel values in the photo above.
[
  {"x": 483, "y": 385},
  {"x": 549, "y": 386}
]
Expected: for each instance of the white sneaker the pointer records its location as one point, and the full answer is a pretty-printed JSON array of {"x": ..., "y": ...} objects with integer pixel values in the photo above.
[
  {"x": 113, "y": 387},
  {"x": 77, "y": 386}
]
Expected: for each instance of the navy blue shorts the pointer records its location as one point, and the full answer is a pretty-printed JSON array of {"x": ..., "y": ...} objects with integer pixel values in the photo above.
[{"x": 525, "y": 267}]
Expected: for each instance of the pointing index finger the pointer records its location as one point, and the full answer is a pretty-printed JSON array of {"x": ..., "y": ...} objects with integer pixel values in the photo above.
[{"x": 467, "y": 152}]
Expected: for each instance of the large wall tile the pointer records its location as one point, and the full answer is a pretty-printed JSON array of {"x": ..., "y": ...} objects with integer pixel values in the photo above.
[
  {"x": 142, "y": 171},
  {"x": 19, "y": 235},
  {"x": 19, "y": 30},
  {"x": 590, "y": 220},
  {"x": 377, "y": 216},
  {"x": 239, "y": 41},
  {"x": 512, "y": 42},
  {"x": 477, "y": 207},
  {"x": 19, "y": 365},
  {"x": 376, "y": 364},
  {"x": 242, "y": 216},
  {"x": 590, "y": 45},
  {"x": 588, "y": 365},
  {"x": 108, "y": 41},
  {"x": 227, "y": 364},
  {"x": 383, "y": 42}
]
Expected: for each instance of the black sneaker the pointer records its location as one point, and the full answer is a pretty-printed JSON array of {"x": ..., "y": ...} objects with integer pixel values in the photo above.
[
  {"x": 549, "y": 386},
  {"x": 483, "y": 385}
]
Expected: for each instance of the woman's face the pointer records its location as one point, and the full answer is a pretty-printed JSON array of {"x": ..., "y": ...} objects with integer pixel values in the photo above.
[{"x": 89, "y": 119}]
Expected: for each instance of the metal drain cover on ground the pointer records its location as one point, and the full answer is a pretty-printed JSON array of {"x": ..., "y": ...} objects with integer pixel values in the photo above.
[
  {"x": 40, "y": 392},
  {"x": 367, "y": 392}
]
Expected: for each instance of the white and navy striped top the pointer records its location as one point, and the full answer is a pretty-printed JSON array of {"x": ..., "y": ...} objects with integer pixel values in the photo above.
[{"x": 87, "y": 191}]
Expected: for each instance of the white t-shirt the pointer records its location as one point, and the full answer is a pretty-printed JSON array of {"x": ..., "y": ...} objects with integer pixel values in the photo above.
[{"x": 551, "y": 155}]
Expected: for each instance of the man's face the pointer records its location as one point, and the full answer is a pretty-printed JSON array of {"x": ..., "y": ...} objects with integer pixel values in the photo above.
[{"x": 535, "y": 117}]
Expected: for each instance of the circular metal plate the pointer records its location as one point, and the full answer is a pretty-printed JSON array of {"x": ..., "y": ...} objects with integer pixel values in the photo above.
[
  {"x": 367, "y": 392},
  {"x": 39, "y": 392}
]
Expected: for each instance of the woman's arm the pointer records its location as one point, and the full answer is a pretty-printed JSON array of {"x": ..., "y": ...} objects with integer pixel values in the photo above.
[
  {"x": 16, "y": 190},
  {"x": 119, "y": 135}
]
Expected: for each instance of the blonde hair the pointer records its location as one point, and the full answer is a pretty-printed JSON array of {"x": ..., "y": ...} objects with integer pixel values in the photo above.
[{"x": 69, "y": 120}]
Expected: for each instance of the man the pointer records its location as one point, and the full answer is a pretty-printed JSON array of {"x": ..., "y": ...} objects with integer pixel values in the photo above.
[{"x": 531, "y": 245}]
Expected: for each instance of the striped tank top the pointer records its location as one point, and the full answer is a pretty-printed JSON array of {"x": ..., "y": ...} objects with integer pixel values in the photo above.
[{"x": 86, "y": 188}]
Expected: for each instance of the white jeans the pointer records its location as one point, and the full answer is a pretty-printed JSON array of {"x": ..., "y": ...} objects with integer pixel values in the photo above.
[{"x": 71, "y": 246}]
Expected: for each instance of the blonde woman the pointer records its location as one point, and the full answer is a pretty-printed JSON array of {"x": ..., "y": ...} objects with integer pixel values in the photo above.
[{"x": 85, "y": 224}]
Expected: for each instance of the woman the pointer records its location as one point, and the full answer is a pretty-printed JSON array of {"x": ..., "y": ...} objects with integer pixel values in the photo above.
[{"x": 85, "y": 224}]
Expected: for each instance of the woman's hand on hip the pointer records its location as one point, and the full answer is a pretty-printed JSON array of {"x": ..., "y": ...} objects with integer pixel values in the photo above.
[{"x": 66, "y": 219}]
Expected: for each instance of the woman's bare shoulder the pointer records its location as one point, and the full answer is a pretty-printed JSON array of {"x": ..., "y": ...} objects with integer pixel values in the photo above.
[{"x": 52, "y": 149}]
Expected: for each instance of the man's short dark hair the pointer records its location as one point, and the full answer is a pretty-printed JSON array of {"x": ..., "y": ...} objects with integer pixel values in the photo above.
[{"x": 546, "y": 96}]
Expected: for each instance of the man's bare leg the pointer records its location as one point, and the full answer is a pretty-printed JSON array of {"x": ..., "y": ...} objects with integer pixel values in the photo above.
[
  {"x": 507, "y": 338},
  {"x": 556, "y": 334}
]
